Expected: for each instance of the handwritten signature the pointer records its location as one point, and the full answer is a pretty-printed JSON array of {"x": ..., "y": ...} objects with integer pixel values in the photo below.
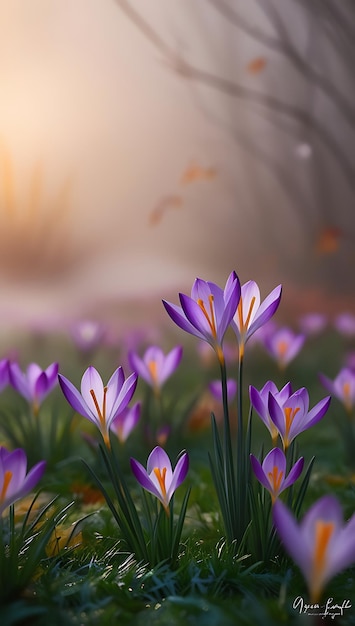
[{"x": 329, "y": 609}]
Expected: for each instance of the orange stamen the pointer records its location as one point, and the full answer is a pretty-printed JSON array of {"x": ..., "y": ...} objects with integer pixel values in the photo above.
[
  {"x": 346, "y": 393},
  {"x": 289, "y": 417},
  {"x": 275, "y": 478},
  {"x": 153, "y": 371},
  {"x": 323, "y": 533},
  {"x": 210, "y": 317},
  {"x": 244, "y": 325},
  {"x": 5, "y": 486},
  {"x": 282, "y": 348},
  {"x": 161, "y": 474},
  {"x": 101, "y": 414}
]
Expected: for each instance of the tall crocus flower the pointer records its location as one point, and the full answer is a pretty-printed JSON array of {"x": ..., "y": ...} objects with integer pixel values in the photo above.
[
  {"x": 260, "y": 402},
  {"x": 159, "y": 478},
  {"x": 272, "y": 473},
  {"x": 293, "y": 417},
  {"x": 97, "y": 402},
  {"x": 342, "y": 387},
  {"x": 126, "y": 421},
  {"x": 34, "y": 384},
  {"x": 155, "y": 367},
  {"x": 15, "y": 482},
  {"x": 208, "y": 312},
  {"x": 284, "y": 345},
  {"x": 251, "y": 313},
  {"x": 321, "y": 545}
]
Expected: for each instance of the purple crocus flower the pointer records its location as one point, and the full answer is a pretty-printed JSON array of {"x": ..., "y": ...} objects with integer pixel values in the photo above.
[
  {"x": 260, "y": 402},
  {"x": 342, "y": 387},
  {"x": 208, "y": 312},
  {"x": 293, "y": 417},
  {"x": 345, "y": 324},
  {"x": 126, "y": 421},
  {"x": 97, "y": 402},
  {"x": 159, "y": 478},
  {"x": 321, "y": 544},
  {"x": 4, "y": 373},
  {"x": 251, "y": 314},
  {"x": 313, "y": 323},
  {"x": 87, "y": 334},
  {"x": 34, "y": 384},
  {"x": 14, "y": 481},
  {"x": 155, "y": 367},
  {"x": 272, "y": 473},
  {"x": 283, "y": 345},
  {"x": 215, "y": 387}
]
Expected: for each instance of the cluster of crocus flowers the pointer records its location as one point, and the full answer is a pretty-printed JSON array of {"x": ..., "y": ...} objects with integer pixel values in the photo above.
[
  {"x": 34, "y": 384},
  {"x": 97, "y": 402},
  {"x": 251, "y": 313},
  {"x": 159, "y": 478},
  {"x": 155, "y": 367},
  {"x": 288, "y": 415},
  {"x": 283, "y": 345},
  {"x": 272, "y": 472},
  {"x": 321, "y": 544},
  {"x": 208, "y": 312},
  {"x": 260, "y": 402},
  {"x": 342, "y": 387},
  {"x": 15, "y": 482}
]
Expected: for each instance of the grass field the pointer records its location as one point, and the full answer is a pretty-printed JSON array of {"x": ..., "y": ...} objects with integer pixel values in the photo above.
[{"x": 82, "y": 571}]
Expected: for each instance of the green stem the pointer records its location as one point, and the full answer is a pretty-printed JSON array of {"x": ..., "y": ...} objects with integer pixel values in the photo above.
[{"x": 228, "y": 463}]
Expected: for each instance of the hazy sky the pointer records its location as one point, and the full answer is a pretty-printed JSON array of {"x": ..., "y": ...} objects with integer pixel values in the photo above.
[{"x": 120, "y": 175}]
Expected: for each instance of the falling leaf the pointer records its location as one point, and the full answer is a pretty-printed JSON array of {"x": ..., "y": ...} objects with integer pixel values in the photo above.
[
  {"x": 173, "y": 201},
  {"x": 328, "y": 240},
  {"x": 257, "y": 65},
  {"x": 195, "y": 172}
]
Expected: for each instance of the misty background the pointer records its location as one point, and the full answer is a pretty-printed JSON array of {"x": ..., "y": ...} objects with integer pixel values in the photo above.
[{"x": 143, "y": 144}]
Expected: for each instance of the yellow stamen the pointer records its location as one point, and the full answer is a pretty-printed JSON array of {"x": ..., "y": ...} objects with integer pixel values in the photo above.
[
  {"x": 210, "y": 317},
  {"x": 161, "y": 474},
  {"x": 323, "y": 533},
  {"x": 289, "y": 417},
  {"x": 5, "y": 486}
]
